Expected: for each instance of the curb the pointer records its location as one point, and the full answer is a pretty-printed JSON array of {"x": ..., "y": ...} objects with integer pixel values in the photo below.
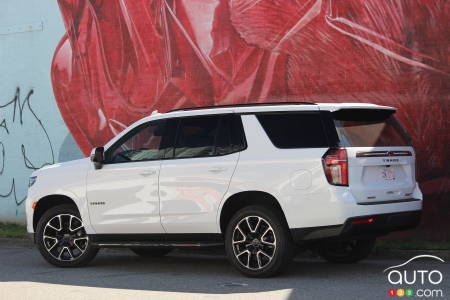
[{"x": 377, "y": 253}]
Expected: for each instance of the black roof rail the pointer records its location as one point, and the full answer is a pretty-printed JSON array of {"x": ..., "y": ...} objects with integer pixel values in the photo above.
[{"x": 242, "y": 105}]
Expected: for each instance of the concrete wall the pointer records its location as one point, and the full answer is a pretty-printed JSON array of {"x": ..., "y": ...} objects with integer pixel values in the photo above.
[{"x": 32, "y": 132}]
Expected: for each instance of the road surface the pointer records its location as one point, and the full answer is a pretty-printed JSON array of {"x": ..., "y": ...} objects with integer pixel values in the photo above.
[{"x": 186, "y": 275}]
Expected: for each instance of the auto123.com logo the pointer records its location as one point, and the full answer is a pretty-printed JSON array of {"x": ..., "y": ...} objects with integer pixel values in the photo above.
[{"x": 411, "y": 282}]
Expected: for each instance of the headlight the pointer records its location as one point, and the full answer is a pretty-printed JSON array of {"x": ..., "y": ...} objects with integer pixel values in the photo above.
[{"x": 32, "y": 181}]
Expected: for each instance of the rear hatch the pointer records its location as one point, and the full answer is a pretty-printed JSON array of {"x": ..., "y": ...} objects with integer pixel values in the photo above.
[{"x": 381, "y": 160}]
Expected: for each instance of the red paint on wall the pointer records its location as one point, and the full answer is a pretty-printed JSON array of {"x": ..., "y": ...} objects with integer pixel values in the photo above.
[{"x": 122, "y": 59}]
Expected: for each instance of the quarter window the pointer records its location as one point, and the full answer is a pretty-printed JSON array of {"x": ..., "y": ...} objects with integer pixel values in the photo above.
[{"x": 294, "y": 130}]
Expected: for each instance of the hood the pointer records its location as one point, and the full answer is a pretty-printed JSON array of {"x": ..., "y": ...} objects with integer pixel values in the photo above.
[{"x": 58, "y": 166}]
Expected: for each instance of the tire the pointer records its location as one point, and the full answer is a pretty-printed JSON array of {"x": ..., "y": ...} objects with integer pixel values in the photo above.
[
  {"x": 262, "y": 249},
  {"x": 346, "y": 252},
  {"x": 151, "y": 251},
  {"x": 66, "y": 243}
]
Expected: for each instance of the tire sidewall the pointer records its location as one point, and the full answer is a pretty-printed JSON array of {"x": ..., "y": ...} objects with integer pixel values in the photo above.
[
  {"x": 87, "y": 256},
  {"x": 283, "y": 252}
]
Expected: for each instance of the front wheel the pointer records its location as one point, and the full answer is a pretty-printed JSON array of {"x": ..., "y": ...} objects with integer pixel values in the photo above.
[
  {"x": 346, "y": 252},
  {"x": 258, "y": 242},
  {"x": 62, "y": 239}
]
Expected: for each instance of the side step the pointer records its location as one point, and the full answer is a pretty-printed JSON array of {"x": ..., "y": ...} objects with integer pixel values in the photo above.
[
  {"x": 157, "y": 240},
  {"x": 174, "y": 245}
]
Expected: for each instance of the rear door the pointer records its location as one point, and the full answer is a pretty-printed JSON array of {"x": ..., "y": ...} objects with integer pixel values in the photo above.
[
  {"x": 196, "y": 172},
  {"x": 380, "y": 156}
]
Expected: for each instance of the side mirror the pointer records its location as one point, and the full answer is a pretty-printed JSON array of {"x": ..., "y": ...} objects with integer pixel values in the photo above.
[{"x": 98, "y": 157}]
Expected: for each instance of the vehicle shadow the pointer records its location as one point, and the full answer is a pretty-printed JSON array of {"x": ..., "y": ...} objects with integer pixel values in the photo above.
[{"x": 188, "y": 272}]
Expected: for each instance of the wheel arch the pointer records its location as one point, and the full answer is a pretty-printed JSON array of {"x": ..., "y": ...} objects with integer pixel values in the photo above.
[
  {"x": 47, "y": 202},
  {"x": 246, "y": 198}
]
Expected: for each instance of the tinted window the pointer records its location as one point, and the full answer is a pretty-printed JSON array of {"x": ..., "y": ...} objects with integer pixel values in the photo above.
[
  {"x": 294, "y": 130},
  {"x": 230, "y": 136},
  {"x": 141, "y": 144},
  {"x": 196, "y": 137},
  {"x": 369, "y": 128},
  {"x": 168, "y": 141}
]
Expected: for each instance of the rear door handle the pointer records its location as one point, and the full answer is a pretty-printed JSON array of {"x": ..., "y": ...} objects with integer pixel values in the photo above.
[
  {"x": 217, "y": 169},
  {"x": 148, "y": 173}
]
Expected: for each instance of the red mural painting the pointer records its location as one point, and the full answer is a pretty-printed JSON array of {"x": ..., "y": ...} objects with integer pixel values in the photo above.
[{"x": 121, "y": 59}]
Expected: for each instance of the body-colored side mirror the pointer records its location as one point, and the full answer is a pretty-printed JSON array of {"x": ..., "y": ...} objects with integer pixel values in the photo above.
[{"x": 98, "y": 157}]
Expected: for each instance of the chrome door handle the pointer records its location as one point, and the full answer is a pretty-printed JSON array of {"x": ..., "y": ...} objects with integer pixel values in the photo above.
[
  {"x": 217, "y": 169},
  {"x": 148, "y": 173}
]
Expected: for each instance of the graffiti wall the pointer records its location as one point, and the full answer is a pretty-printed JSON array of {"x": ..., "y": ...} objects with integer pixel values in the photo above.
[
  {"x": 118, "y": 60},
  {"x": 32, "y": 132}
]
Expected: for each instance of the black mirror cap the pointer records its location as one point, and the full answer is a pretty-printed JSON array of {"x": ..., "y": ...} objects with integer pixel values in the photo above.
[{"x": 98, "y": 157}]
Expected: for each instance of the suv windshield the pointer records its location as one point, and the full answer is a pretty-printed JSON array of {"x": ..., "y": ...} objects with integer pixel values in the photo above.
[{"x": 369, "y": 128}]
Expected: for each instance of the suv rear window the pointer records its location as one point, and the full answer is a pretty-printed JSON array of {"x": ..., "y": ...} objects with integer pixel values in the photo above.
[
  {"x": 369, "y": 128},
  {"x": 294, "y": 130}
]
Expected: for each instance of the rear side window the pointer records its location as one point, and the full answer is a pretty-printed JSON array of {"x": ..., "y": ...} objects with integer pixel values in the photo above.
[
  {"x": 196, "y": 137},
  {"x": 294, "y": 130},
  {"x": 204, "y": 136},
  {"x": 369, "y": 128}
]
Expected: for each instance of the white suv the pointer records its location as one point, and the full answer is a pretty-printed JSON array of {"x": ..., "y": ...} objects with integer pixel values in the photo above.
[{"x": 265, "y": 180}]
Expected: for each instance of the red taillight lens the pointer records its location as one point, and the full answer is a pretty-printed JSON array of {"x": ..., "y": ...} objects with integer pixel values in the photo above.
[
  {"x": 363, "y": 221},
  {"x": 335, "y": 165}
]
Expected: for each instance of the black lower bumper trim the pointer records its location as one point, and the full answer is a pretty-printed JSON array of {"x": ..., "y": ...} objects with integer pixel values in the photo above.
[
  {"x": 356, "y": 227},
  {"x": 388, "y": 202}
]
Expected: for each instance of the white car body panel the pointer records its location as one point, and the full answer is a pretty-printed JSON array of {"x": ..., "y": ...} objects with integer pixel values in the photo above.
[
  {"x": 67, "y": 179},
  {"x": 367, "y": 183},
  {"x": 124, "y": 198},
  {"x": 278, "y": 176},
  {"x": 191, "y": 191}
]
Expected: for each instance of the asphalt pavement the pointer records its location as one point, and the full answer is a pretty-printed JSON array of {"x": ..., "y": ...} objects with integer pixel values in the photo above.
[{"x": 188, "y": 275}]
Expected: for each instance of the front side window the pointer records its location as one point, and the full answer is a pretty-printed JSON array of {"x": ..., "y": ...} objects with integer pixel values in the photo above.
[{"x": 141, "y": 144}]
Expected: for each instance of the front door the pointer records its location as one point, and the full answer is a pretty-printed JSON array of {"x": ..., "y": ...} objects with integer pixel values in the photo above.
[{"x": 123, "y": 195}]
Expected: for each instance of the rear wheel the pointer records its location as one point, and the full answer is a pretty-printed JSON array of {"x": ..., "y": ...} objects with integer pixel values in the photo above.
[
  {"x": 151, "y": 251},
  {"x": 62, "y": 239},
  {"x": 258, "y": 242},
  {"x": 346, "y": 251}
]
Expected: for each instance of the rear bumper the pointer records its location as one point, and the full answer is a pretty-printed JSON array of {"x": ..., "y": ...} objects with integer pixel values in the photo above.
[{"x": 381, "y": 224}]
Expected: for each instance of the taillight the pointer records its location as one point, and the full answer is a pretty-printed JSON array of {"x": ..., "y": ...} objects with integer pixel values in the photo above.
[
  {"x": 363, "y": 221},
  {"x": 335, "y": 165}
]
